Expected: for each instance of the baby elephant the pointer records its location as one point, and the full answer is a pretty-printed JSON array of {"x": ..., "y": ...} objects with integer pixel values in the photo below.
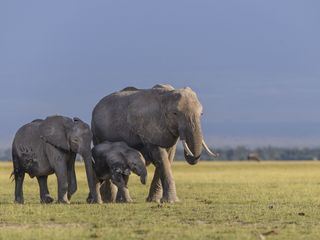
[{"x": 113, "y": 165}]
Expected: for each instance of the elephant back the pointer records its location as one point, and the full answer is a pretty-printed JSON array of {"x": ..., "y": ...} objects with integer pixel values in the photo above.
[{"x": 135, "y": 117}]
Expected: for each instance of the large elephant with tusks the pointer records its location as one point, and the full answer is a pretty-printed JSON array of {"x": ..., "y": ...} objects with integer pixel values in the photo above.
[{"x": 151, "y": 121}]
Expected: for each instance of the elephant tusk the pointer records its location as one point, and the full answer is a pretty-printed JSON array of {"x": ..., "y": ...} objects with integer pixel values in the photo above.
[
  {"x": 185, "y": 146},
  {"x": 214, "y": 154}
]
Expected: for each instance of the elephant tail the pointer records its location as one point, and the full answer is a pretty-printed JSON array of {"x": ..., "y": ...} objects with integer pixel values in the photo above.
[
  {"x": 17, "y": 169},
  {"x": 11, "y": 176}
]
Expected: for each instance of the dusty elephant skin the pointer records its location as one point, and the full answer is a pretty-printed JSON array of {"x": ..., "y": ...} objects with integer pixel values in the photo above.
[
  {"x": 113, "y": 163},
  {"x": 44, "y": 147},
  {"x": 151, "y": 121}
]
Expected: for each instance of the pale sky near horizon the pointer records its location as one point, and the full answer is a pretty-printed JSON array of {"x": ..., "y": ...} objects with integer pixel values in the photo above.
[{"x": 255, "y": 64}]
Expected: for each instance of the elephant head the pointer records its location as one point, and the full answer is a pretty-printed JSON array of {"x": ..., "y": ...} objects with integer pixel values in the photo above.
[
  {"x": 164, "y": 114},
  {"x": 183, "y": 113},
  {"x": 70, "y": 135},
  {"x": 121, "y": 160},
  {"x": 136, "y": 163},
  {"x": 117, "y": 172}
]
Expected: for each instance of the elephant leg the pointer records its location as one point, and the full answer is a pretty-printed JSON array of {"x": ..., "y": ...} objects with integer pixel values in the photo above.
[
  {"x": 155, "y": 193},
  {"x": 98, "y": 187},
  {"x": 44, "y": 191},
  {"x": 18, "y": 178},
  {"x": 123, "y": 194},
  {"x": 162, "y": 162},
  {"x": 171, "y": 153},
  {"x": 108, "y": 191},
  {"x": 62, "y": 177},
  {"x": 72, "y": 179}
]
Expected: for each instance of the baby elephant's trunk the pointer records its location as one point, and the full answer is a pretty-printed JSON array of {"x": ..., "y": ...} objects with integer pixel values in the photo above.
[{"x": 143, "y": 177}]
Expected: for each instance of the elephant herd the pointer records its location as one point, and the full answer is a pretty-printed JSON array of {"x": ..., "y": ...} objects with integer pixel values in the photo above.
[{"x": 130, "y": 129}]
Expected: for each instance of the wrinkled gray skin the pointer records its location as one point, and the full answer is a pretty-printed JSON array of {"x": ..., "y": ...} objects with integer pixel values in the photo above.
[
  {"x": 151, "y": 121},
  {"x": 114, "y": 162},
  {"x": 44, "y": 147}
]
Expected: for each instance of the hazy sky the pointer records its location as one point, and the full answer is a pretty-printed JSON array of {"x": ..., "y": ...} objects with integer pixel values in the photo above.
[{"x": 254, "y": 64}]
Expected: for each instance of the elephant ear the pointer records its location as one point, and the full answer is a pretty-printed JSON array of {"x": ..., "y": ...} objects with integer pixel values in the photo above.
[
  {"x": 54, "y": 130},
  {"x": 145, "y": 118}
]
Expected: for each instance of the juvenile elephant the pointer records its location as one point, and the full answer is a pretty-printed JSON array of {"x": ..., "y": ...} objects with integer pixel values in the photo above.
[
  {"x": 113, "y": 162},
  {"x": 44, "y": 147},
  {"x": 151, "y": 121}
]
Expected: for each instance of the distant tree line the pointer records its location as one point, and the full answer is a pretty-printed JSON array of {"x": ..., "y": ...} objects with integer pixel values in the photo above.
[
  {"x": 264, "y": 153},
  {"x": 238, "y": 153},
  {"x": 5, "y": 154}
]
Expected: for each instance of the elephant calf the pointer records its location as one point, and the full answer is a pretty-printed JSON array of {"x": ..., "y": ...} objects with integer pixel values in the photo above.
[
  {"x": 113, "y": 163},
  {"x": 44, "y": 147}
]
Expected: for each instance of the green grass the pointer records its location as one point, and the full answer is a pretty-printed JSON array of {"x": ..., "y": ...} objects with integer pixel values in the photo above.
[{"x": 232, "y": 200}]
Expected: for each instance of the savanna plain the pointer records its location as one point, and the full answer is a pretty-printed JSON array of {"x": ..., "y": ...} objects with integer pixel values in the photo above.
[{"x": 219, "y": 200}]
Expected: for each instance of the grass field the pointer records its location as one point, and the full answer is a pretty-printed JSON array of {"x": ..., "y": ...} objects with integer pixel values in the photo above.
[{"x": 231, "y": 200}]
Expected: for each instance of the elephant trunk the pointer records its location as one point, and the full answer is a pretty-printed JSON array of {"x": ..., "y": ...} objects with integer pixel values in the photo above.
[
  {"x": 191, "y": 137},
  {"x": 143, "y": 177}
]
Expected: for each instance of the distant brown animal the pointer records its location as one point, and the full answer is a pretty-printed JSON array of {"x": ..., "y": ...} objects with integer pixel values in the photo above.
[{"x": 253, "y": 157}]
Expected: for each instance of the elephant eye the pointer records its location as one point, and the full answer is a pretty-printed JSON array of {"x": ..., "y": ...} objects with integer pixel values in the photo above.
[{"x": 175, "y": 113}]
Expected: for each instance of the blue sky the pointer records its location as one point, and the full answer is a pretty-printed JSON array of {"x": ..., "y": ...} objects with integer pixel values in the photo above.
[{"x": 254, "y": 64}]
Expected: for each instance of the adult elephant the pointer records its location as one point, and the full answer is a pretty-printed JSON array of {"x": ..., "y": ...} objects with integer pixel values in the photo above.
[
  {"x": 48, "y": 146},
  {"x": 151, "y": 121}
]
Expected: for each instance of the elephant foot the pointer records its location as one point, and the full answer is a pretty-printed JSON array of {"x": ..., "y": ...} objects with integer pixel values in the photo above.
[
  {"x": 63, "y": 201},
  {"x": 153, "y": 199},
  {"x": 126, "y": 200},
  {"x": 69, "y": 196},
  {"x": 169, "y": 199},
  {"x": 95, "y": 202},
  {"x": 90, "y": 200},
  {"x": 129, "y": 200},
  {"x": 46, "y": 199},
  {"x": 154, "y": 196},
  {"x": 19, "y": 201}
]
